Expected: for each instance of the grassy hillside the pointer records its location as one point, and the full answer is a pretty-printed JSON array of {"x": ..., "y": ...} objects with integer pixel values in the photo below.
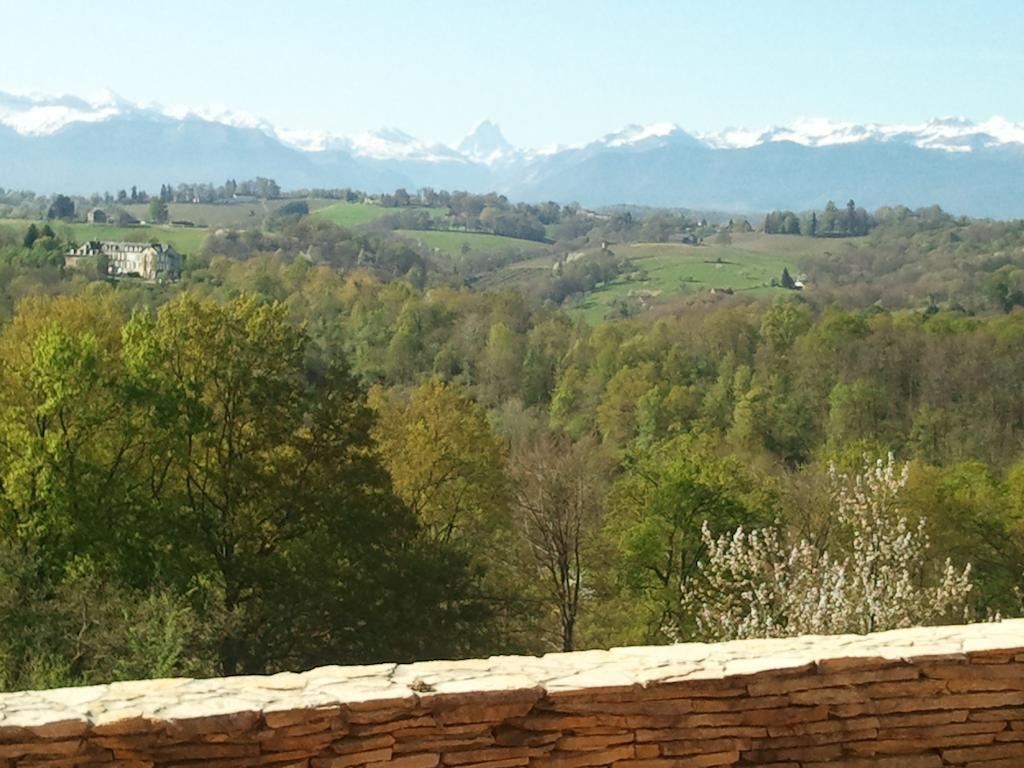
[
  {"x": 452, "y": 242},
  {"x": 663, "y": 270},
  {"x": 241, "y": 215},
  {"x": 357, "y": 214},
  {"x": 185, "y": 240},
  {"x": 746, "y": 265}
]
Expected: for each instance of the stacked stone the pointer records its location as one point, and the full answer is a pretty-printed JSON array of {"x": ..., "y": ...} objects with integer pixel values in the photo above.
[{"x": 920, "y": 698}]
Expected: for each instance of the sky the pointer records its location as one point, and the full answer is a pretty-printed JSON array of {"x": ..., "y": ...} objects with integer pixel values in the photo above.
[{"x": 548, "y": 72}]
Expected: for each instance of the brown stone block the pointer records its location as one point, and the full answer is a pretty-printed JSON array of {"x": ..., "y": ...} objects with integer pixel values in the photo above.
[
  {"x": 904, "y": 689},
  {"x": 333, "y": 725},
  {"x": 199, "y": 751},
  {"x": 474, "y": 713},
  {"x": 390, "y": 726},
  {"x": 666, "y": 707},
  {"x": 510, "y": 763},
  {"x": 368, "y": 744},
  {"x": 236, "y": 722},
  {"x": 923, "y": 718},
  {"x": 443, "y": 731},
  {"x": 976, "y": 685},
  {"x": 951, "y": 701},
  {"x": 441, "y": 744},
  {"x": 848, "y": 695},
  {"x": 741, "y": 705},
  {"x": 689, "y": 689},
  {"x": 222, "y": 762},
  {"x": 584, "y": 759},
  {"x": 771, "y": 687},
  {"x": 126, "y": 725},
  {"x": 820, "y": 739},
  {"x": 712, "y": 760},
  {"x": 574, "y": 742},
  {"x": 514, "y": 737},
  {"x": 292, "y": 717},
  {"x": 645, "y": 763},
  {"x": 284, "y": 759},
  {"x": 1000, "y": 713},
  {"x": 354, "y": 758},
  {"x": 699, "y": 746},
  {"x": 787, "y": 716},
  {"x": 797, "y": 754},
  {"x": 681, "y": 734},
  {"x": 373, "y": 716},
  {"x": 916, "y": 746},
  {"x": 824, "y": 726},
  {"x": 550, "y": 722},
  {"x": 425, "y": 760},
  {"x": 57, "y": 748},
  {"x": 941, "y": 731},
  {"x": 312, "y": 743},
  {"x": 469, "y": 756},
  {"x": 903, "y": 761},
  {"x": 981, "y": 754}
]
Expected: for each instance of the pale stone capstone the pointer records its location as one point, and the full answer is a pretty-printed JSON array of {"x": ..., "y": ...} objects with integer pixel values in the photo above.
[{"x": 913, "y": 698}]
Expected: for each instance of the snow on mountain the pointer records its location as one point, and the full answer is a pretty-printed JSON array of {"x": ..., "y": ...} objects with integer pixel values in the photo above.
[
  {"x": 34, "y": 114},
  {"x": 486, "y": 144},
  {"x": 950, "y": 134},
  {"x": 40, "y": 115},
  {"x": 395, "y": 144},
  {"x": 637, "y": 134}
]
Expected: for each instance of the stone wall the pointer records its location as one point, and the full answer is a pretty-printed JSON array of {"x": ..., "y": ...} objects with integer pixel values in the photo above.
[{"x": 919, "y": 698}]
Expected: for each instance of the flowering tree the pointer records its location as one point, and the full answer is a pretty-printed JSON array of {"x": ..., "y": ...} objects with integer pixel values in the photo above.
[{"x": 875, "y": 575}]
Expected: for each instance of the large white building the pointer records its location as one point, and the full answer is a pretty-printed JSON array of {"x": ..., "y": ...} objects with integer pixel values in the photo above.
[{"x": 150, "y": 261}]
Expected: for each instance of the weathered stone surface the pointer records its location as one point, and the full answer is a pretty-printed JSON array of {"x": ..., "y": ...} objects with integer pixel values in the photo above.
[{"x": 917, "y": 698}]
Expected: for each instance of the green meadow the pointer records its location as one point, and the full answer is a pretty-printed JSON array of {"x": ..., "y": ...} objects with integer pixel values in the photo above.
[
  {"x": 184, "y": 239},
  {"x": 356, "y": 214},
  {"x": 662, "y": 270},
  {"x": 452, "y": 242}
]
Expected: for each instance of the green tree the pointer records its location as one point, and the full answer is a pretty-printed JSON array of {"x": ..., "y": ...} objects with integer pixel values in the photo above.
[
  {"x": 287, "y": 530},
  {"x": 653, "y": 529},
  {"x": 62, "y": 207},
  {"x": 158, "y": 211}
]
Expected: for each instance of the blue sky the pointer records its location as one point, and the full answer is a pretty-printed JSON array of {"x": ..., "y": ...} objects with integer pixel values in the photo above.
[{"x": 547, "y": 72}]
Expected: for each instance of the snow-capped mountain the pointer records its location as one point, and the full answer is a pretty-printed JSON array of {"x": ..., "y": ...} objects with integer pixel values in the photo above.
[
  {"x": 949, "y": 134},
  {"x": 104, "y": 142},
  {"x": 486, "y": 144}
]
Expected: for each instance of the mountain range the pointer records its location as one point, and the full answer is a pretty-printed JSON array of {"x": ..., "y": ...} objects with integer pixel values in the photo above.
[{"x": 76, "y": 145}]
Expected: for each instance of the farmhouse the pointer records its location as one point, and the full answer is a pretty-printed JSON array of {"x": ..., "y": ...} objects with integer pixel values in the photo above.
[
  {"x": 150, "y": 261},
  {"x": 97, "y": 216}
]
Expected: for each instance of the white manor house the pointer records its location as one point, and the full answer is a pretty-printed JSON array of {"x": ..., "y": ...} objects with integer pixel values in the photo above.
[{"x": 149, "y": 261}]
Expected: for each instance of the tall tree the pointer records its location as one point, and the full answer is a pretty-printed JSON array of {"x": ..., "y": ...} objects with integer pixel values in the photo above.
[{"x": 559, "y": 490}]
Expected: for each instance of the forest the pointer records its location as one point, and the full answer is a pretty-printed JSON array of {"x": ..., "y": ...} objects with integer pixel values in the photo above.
[{"x": 329, "y": 446}]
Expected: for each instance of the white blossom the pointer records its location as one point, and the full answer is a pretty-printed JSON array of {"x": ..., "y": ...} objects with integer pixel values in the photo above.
[{"x": 874, "y": 576}]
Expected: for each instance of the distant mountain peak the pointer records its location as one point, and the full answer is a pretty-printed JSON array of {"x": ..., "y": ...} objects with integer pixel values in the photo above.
[{"x": 485, "y": 143}]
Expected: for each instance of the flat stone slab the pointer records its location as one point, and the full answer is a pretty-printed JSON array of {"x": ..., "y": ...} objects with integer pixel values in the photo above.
[{"x": 431, "y": 683}]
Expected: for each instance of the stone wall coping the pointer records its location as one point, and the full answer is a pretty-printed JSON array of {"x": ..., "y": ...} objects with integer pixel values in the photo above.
[{"x": 73, "y": 711}]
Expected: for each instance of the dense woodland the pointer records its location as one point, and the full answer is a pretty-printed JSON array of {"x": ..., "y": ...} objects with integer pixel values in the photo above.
[{"x": 323, "y": 446}]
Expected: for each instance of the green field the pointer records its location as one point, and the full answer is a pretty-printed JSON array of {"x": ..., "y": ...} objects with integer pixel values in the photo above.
[
  {"x": 239, "y": 215},
  {"x": 356, "y": 214},
  {"x": 184, "y": 240},
  {"x": 665, "y": 270},
  {"x": 452, "y": 241},
  {"x": 661, "y": 271}
]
